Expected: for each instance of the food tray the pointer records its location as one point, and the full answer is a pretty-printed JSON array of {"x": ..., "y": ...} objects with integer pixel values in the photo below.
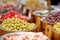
[{"x": 15, "y": 33}]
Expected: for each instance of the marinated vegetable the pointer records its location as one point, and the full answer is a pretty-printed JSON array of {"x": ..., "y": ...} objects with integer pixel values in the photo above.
[
  {"x": 15, "y": 24},
  {"x": 28, "y": 36},
  {"x": 15, "y": 14},
  {"x": 53, "y": 17},
  {"x": 57, "y": 27}
]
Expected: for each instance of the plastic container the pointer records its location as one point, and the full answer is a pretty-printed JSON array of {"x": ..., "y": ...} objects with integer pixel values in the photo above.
[
  {"x": 56, "y": 35},
  {"x": 15, "y": 33}
]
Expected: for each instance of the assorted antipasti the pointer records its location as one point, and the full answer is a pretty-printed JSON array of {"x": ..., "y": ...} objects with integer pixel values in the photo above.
[
  {"x": 53, "y": 17},
  {"x": 28, "y": 36},
  {"x": 19, "y": 26}
]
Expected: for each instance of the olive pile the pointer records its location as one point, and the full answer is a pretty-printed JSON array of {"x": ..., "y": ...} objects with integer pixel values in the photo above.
[
  {"x": 15, "y": 24},
  {"x": 57, "y": 27},
  {"x": 53, "y": 17}
]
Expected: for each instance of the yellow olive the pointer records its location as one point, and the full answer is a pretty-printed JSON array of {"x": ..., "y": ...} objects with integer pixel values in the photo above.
[
  {"x": 15, "y": 24},
  {"x": 57, "y": 27}
]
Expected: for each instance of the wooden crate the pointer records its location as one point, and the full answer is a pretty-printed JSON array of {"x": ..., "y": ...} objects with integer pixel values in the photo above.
[
  {"x": 2, "y": 32},
  {"x": 51, "y": 34},
  {"x": 49, "y": 31},
  {"x": 44, "y": 24},
  {"x": 38, "y": 23},
  {"x": 37, "y": 20},
  {"x": 56, "y": 36}
]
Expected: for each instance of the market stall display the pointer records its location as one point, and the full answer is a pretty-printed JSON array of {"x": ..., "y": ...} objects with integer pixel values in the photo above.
[
  {"x": 29, "y": 19},
  {"x": 25, "y": 36}
]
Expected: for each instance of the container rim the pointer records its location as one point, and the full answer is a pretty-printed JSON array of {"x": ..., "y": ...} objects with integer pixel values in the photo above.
[
  {"x": 34, "y": 13},
  {"x": 43, "y": 20}
]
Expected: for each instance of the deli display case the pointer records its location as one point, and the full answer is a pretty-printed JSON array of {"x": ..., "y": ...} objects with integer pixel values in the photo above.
[{"x": 29, "y": 20}]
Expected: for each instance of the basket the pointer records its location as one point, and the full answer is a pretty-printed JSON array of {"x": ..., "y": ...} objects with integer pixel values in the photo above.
[
  {"x": 56, "y": 35},
  {"x": 2, "y": 31},
  {"x": 49, "y": 31},
  {"x": 44, "y": 24},
  {"x": 37, "y": 18}
]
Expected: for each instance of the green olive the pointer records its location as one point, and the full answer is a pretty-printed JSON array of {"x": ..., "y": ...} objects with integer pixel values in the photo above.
[
  {"x": 15, "y": 24},
  {"x": 57, "y": 27}
]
